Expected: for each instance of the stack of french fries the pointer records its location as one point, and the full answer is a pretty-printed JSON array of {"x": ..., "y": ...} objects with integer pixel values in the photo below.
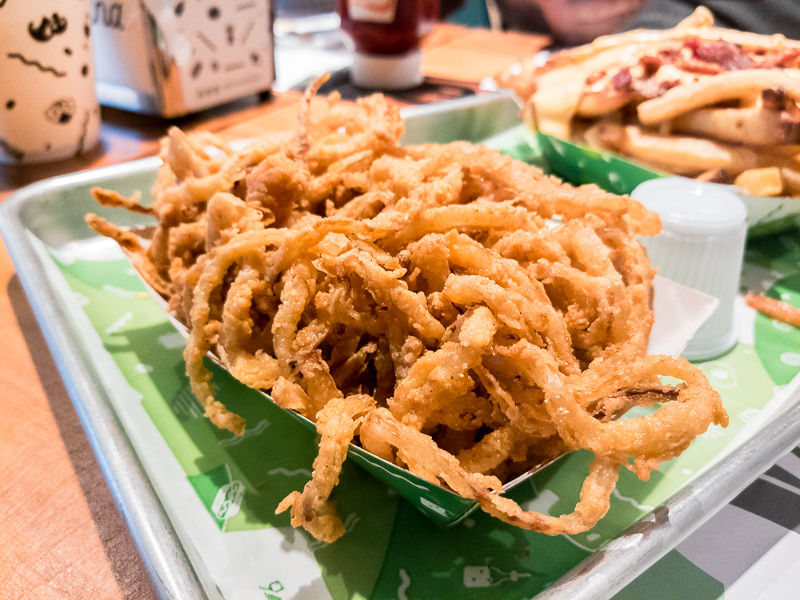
[{"x": 696, "y": 100}]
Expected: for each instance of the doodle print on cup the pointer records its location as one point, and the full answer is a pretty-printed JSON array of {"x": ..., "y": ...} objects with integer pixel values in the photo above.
[{"x": 48, "y": 104}]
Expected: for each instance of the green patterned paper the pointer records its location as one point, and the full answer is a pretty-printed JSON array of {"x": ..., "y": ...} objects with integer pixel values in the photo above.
[{"x": 390, "y": 549}]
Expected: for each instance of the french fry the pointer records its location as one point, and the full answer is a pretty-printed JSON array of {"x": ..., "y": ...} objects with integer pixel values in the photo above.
[
  {"x": 679, "y": 154},
  {"x": 753, "y": 125},
  {"x": 791, "y": 181},
  {"x": 786, "y": 151},
  {"x": 714, "y": 176},
  {"x": 699, "y": 25},
  {"x": 730, "y": 85},
  {"x": 774, "y": 309},
  {"x": 761, "y": 182},
  {"x": 696, "y": 100},
  {"x": 597, "y": 104}
]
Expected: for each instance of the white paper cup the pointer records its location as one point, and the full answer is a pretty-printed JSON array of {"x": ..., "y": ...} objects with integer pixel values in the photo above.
[{"x": 48, "y": 105}]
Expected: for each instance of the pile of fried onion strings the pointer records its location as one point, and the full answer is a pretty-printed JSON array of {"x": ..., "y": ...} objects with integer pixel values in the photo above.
[{"x": 451, "y": 310}]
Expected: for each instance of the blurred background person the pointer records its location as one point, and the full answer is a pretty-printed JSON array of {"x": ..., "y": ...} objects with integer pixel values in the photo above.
[
  {"x": 570, "y": 22},
  {"x": 759, "y": 16}
]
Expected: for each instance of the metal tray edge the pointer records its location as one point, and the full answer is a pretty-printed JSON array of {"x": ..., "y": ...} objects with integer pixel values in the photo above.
[
  {"x": 623, "y": 559},
  {"x": 166, "y": 559}
]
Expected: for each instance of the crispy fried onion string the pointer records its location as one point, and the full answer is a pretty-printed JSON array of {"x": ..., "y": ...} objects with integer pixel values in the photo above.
[{"x": 451, "y": 310}]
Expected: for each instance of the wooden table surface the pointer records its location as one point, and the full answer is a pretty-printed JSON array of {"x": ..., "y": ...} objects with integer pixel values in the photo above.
[{"x": 61, "y": 535}]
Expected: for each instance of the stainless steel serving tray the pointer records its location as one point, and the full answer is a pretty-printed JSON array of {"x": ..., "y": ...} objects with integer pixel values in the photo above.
[{"x": 52, "y": 211}]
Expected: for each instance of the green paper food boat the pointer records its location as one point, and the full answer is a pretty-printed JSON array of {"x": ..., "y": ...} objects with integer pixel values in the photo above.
[
  {"x": 580, "y": 164},
  {"x": 444, "y": 507}
]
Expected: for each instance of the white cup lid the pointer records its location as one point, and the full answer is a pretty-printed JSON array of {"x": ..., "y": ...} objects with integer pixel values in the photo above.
[
  {"x": 692, "y": 207},
  {"x": 701, "y": 246}
]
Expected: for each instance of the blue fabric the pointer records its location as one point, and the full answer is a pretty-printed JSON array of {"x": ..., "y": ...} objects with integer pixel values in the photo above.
[{"x": 472, "y": 13}]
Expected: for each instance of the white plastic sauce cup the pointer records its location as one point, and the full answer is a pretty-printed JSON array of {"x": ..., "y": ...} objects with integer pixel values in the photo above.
[{"x": 701, "y": 246}]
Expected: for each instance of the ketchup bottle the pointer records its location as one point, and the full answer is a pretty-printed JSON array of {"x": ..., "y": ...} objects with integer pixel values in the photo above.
[{"x": 386, "y": 35}]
